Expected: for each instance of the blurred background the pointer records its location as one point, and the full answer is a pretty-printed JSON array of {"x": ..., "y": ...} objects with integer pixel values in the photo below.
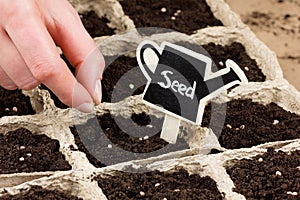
[{"x": 277, "y": 24}]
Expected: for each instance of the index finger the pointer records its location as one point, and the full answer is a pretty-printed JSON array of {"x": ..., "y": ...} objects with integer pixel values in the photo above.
[{"x": 31, "y": 38}]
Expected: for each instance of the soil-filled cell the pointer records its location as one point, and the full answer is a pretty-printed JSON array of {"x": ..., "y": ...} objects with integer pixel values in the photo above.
[
  {"x": 159, "y": 185},
  {"x": 114, "y": 139},
  {"x": 123, "y": 78},
  {"x": 183, "y": 16},
  {"x": 249, "y": 124},
  {"x": 21, "y": 151},
  {"x": 273, "y": 175}
]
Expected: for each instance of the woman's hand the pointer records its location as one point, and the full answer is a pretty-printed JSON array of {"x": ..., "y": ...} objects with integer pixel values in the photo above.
[{"x": 29, "y": 33}]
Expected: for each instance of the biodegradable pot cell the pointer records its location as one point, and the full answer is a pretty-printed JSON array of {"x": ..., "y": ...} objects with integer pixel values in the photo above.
[
  {"x": 115, "y": 139},
  {"x": 185, "y": 17},
  {"x": 249, "y": 124},
  {"x": 23, "y": 152},
  {"x": 175, "y": 184},
  {"x": 272, "y": 175}
]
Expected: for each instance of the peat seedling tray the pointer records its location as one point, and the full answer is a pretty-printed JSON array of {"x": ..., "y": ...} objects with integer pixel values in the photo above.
[{"x": 200, "y": 165}]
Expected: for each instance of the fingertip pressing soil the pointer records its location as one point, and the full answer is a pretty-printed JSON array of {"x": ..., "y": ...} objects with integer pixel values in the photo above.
[
  {"x": 105, "y": 141},
  {"x": 158, "y": 185},
  {"x": 96, "y": 26},
  {"x": 183, "y": 16},
  {"x": 249, "y": 124},
  {"x": 273, "y": 175},
  {"x": 21, "y": 151},
  {"x": 236, "y": 52},
  {"x": 38, "y": 193},
  {"x": 14, "y": 102}
]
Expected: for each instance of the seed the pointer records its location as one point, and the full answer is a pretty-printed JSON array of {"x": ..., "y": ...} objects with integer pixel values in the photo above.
[
  {"x": 29, "y": 154},
  {"x": 163, "y": 10},
  {"x": 21, "y": 159},
  {"x": 246, "y": 69},
  {"x": 275, "y": 122},
  {"x": 165, "y": 198},
  {"x": 131, "y": 86},
  {"x": 292, "y": 193},
  {"x": 173, "y": 18},
  {"x": 221, "y": 63},
  {"x": 149, "y": 126},
  {"x": 142, "y": 193},
  {"x": 260, "y": 159},
  {"x": 298, "y": 167},
  {"x": 228, "y": 126},
  {"x": 176, "y": 190},
  {"x": 15, "y": 109},
  {"x": 22, "y": 147},
  {"x": 278, "y": 173},
  {"x": 6, "y": 109},
  {"x": 109, "y": 146},
  {"x": 146, "y": 137},
  {"x": 242, "y": 126},
  {"x": 157, "y": 184},
  {"x": 178, "y": 11}
]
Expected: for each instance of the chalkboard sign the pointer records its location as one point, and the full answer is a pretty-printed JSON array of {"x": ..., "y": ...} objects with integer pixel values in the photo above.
[{"x": 180, "y": 81}]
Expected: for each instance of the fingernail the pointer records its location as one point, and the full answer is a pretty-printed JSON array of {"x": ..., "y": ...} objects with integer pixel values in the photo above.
[
  {"x": 98, "y": 92},
  {"x": 86, "y": 107}
]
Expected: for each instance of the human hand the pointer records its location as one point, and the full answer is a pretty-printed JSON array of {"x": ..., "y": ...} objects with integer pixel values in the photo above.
[{"x": 29, "y": 33}]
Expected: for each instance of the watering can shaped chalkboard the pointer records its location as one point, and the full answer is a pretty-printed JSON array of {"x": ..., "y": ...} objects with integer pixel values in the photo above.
[{"x": 180, "y": 81}]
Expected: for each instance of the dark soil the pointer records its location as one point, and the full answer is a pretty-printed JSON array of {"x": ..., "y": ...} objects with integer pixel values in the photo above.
[
  {"x": 21, "y": 151},
  {"x": 158, "y": 185},
  {"x": 183, "y": 16},
  {"x": 95, "y": 137},
  {"x": 112, "y": 74},
  {"x": 38, "y": 193},
  {"x": 236, "y": 52},
  {"x": 14, "y": 98},
  {"x": 96, "y": 26},
  {"x": 275, "y": 177},
  {"x": 249, "y": 123}
]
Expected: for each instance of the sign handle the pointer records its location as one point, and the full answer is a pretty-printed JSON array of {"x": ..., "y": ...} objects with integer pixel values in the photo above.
[{"x": 170, "y": 129}]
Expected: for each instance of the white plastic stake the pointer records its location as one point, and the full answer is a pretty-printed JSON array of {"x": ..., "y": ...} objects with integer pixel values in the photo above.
[{"x": 170, "y": 129}]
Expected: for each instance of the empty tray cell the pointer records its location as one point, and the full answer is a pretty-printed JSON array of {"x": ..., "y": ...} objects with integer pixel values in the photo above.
[
  {"x": 96, "y": 26},
  {"x": 273, "y": 175},
  {"x": 236, "y": 52},
  {"x": 121, "y": 78},
  {"x": 158, "y": 185},
  {"x": 111, "y": 139},
  {"x": 14, "y": 102},
  {"x": 22, "y": 151},
  {"x": 249, "y": 124},
  {"x": 38, "y": 193},
  {"x": 183, "y": 16}
]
